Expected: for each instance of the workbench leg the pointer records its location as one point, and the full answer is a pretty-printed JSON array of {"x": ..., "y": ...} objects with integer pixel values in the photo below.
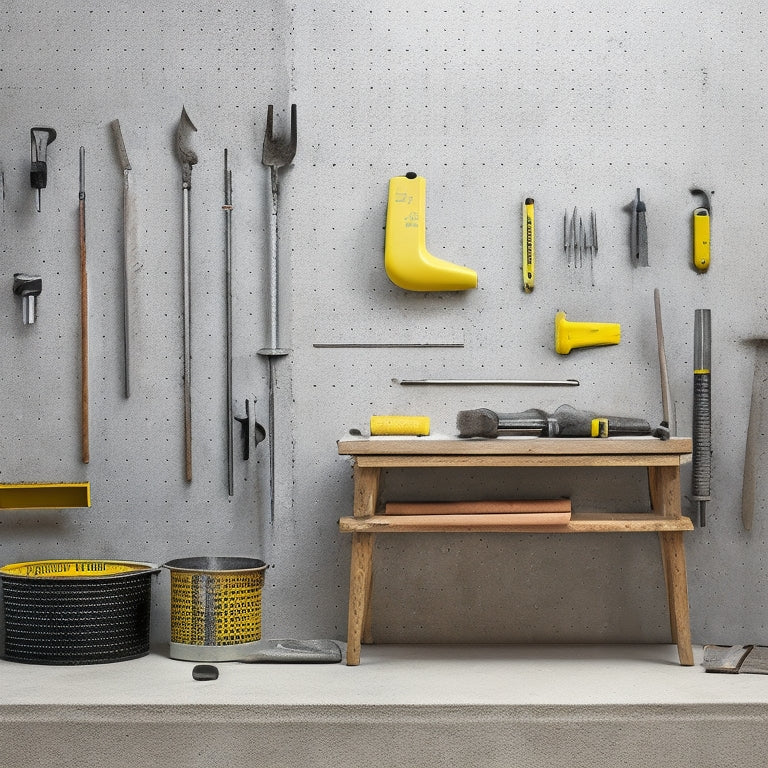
[
  {"x": 360, "y": 571},
  {"x": 673, "y": 557}
]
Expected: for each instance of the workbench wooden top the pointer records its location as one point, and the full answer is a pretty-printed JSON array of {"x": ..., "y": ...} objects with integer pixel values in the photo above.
[{"x": 354, "y": 445}]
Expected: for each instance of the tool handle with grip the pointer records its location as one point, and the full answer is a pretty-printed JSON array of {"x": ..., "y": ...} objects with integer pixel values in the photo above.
[{"x": 702, "y": 413}]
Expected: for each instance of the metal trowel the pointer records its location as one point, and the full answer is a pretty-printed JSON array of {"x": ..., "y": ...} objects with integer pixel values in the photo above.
[{"x": 289, "y": 651}]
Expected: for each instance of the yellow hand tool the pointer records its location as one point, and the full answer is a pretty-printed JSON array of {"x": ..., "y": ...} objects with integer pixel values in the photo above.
[
  {"x": 408, "y": 263},
  {"x": 701, "y": 218},
  {"x": 529, "y": 250}
]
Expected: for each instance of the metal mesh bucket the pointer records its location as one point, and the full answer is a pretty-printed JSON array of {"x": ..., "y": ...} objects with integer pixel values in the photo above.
[
  {"x": 215, "y": 607},
  {"x": 76, "y": 611}
]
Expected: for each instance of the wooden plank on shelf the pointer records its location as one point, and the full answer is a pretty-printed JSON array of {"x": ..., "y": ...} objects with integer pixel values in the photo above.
[
  {"x": 518, "y": 446},
  {"x": 509, "y": 507},
  {"x": 578, "y": 523}
]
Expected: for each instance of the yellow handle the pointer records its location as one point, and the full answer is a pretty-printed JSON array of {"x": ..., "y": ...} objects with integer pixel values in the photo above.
[
  {"x": 408, "y": 263},
  {"x": 529, "y": 247},
  {"x": 400, "y": 425},
  {"x": 701, "y": 239}
]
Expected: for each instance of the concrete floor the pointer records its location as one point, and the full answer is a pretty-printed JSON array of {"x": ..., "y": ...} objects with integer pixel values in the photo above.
[{"x": 404, "y": 705}]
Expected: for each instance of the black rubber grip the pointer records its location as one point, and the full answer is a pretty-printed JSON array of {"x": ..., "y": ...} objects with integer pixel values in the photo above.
[{"x": 702, "y": 437}]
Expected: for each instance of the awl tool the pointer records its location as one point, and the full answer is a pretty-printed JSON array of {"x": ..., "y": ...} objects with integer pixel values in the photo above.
[
  {"x": 187, "y": 158},
  {"x": 639, "y": 233},
  {"x": 276, "y": 153},
  {"x": 41, "y": 139},
  {"x": 701, "y": 232},
  {"x": 129, "y": 246},
  {"x": 29, "y": 288},
  {"x": 702, "y": 412}
]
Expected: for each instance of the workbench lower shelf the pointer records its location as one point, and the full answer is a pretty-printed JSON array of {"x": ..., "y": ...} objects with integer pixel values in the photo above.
[{"x": 661, "y": 459}]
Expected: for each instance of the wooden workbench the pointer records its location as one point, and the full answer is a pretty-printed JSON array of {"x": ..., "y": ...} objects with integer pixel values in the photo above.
[{"x": 661, "y": 458}]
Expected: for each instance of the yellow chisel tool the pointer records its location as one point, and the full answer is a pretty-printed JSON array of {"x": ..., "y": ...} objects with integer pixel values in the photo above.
[
  {"x": 529, "y": 248},
  {"x": 701, "y": 219}
]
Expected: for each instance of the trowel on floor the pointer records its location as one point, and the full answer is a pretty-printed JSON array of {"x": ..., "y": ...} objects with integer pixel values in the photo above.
[{"x": 290, "y": 651}]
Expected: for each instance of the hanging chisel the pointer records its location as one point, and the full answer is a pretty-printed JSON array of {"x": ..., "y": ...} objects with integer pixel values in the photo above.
[{"x": 128, "y": 248}]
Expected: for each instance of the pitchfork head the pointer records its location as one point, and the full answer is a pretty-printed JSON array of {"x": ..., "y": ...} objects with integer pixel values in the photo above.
[{"x": 276, "y": 152}]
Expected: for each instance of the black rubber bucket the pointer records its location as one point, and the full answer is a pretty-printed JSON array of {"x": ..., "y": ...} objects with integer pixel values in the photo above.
[{"x": 76, "y": 611}]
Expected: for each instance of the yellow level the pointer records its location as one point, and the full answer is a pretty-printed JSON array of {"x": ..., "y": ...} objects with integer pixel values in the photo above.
[{"x": 45, "y": 495}]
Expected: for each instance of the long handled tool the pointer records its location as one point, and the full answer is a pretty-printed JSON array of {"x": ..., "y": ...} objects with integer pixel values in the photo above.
[
  {"x": 276, "y": 154},
  {"x": 86, "y": 449},
  {"x": 187, "y": 158},
  {"x": 702, "y": 430},
  {"x": 227, "y": 207},
  {"x": 668, "y": 426},
  {"x": 754, "y": 455},
  {"x": 128, "y": 248}
]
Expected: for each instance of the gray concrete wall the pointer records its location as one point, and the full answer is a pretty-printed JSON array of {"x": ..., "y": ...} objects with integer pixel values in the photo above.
[{"x": 491, "y": 103}]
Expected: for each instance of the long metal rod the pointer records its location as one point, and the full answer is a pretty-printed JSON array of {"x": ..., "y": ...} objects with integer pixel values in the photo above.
[
  {"x": 667, "y": 406},
  {"x": 516, "y": 382},
  {"x": 185, "y": 269},
  {"x": 128, "y": 246},
  {"x": 85, "y": 437},
  {"x": 228, "y": 251}
]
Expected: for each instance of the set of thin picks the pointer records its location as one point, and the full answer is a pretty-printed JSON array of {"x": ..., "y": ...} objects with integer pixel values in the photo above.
[{"x": 580, "y": 240}]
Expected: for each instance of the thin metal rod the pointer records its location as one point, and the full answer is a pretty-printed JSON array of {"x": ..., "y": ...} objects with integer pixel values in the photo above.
[
  {"x": 666, "y": 394},
  {"x": 86, "y": 449},
  {"x": 374, "y": 345},
  {"x": 516, "y": 382},
  {"x": 185, "y": 268},
  {"x": 228, "y": 253}
]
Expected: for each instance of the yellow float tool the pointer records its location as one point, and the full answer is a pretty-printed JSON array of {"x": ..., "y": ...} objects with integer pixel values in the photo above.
[
  {"x": 570, "y": 335},
  {"x": 408, "y": 263},
  {"x": 701, "y": 218}
]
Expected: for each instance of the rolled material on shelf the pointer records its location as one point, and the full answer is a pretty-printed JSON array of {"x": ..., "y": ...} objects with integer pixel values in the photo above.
[
  {"x": 514, "y": 507},
  {"x": 400, "y": 425},
  {"x": 477, "y": 521}
]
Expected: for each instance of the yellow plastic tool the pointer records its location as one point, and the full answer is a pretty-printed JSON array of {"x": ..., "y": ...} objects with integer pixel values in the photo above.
[
  {"x": 407, "y": 262},
  {"x": 570, "y": 335},
  {"x": 529, "y": 247},
  {"x": 400, "y": 425},
  {"x": 701, "y": 232}
]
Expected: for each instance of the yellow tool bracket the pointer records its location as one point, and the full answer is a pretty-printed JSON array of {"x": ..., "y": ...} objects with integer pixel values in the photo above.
[
  {"x": 45, "y": 495},
  {"x": 407, "y": 262}
]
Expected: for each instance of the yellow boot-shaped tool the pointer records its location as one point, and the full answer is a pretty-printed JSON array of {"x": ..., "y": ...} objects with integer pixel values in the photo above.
[
  {"x": 408, "y": 263},
  {"x": 570, "y": 335}
]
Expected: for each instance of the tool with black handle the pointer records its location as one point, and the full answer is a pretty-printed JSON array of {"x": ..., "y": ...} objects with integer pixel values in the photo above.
[
  {"x": 40, "y": 138},
  {"x": 702, "y": 412}
]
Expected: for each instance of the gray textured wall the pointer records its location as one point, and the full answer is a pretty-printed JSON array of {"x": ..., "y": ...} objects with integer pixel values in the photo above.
[{"x": 491, "y": 102}]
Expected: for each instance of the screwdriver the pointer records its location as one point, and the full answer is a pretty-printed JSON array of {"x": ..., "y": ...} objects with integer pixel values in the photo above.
[{"x": 529, "y": 254}]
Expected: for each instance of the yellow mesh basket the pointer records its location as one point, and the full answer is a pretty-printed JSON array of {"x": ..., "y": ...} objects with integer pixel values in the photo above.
[{"x": 215, "y": 606}]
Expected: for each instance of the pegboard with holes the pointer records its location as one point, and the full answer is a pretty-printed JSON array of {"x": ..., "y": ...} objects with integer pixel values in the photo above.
[{"x": 491, "y": 103}]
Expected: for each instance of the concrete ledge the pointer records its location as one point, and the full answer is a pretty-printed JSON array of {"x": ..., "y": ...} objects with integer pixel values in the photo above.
[{"x": 487, "y": 706}]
